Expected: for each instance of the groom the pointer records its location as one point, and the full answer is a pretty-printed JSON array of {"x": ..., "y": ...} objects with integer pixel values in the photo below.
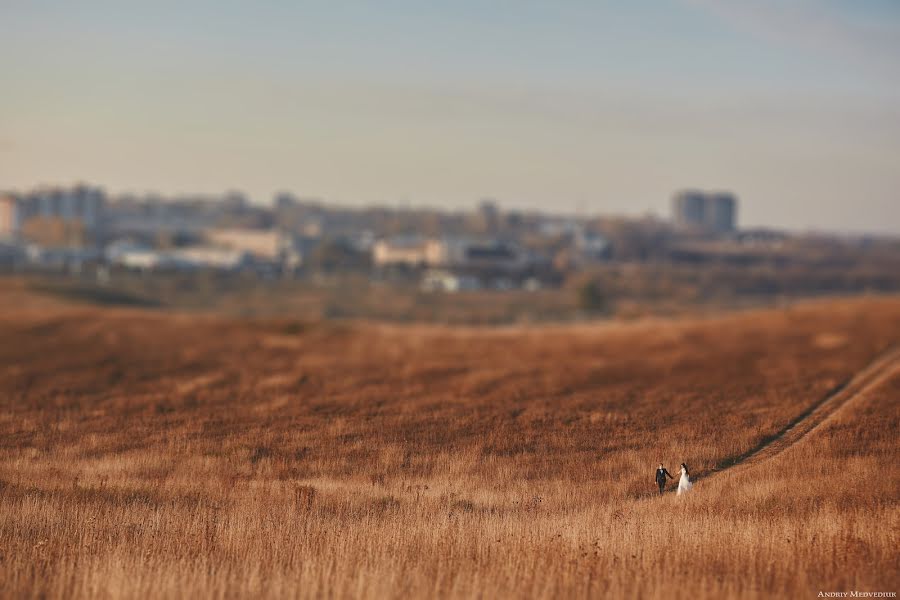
[{"x": 661, "y": 474}]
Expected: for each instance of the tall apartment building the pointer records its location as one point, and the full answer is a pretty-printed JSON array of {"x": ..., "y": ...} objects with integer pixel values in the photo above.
[
  {"x": 82, "y": 204},
  {"x": 710, "y": 211},
  {"x": 721, "y": 212}
]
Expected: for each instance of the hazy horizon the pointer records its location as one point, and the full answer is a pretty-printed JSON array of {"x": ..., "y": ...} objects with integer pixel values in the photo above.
[{"x": 571, "y": 107}]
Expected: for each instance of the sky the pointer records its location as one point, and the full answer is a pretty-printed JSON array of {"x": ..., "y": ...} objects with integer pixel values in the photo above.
[{"x": 568, "y": 105}]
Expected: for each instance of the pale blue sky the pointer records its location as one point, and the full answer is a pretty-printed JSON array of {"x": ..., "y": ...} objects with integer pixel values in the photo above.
[{"x": 603, "y": 106}]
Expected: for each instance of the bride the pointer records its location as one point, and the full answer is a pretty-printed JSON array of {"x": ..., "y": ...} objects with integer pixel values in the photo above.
[{"x": 684, "y": 484}]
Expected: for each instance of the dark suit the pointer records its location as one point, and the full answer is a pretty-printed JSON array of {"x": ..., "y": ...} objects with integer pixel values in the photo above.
[{"x": 661, "y": 475}]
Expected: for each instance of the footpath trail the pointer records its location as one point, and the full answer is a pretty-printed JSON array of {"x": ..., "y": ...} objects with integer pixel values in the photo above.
[{"x": 878, "y": 371}]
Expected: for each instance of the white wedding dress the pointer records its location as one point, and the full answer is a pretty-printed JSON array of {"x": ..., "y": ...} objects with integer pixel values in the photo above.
[{"x": 684, "y": 484}]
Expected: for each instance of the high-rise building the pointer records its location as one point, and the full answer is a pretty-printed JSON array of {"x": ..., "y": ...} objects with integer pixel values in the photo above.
[
  {"x": 488, "y": 216},
  {"x": 721, "y": 212},
  {"x": 710, "y": 211},
  {"x": 689, "y": 209},
  {"x": 82, "y": 204}
]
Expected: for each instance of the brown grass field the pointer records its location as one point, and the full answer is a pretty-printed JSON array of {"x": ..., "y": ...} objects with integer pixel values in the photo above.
[{"x": 151, "y": 454}]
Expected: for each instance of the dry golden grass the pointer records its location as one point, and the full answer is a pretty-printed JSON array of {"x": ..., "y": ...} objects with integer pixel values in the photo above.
[{"x": 151, "y": 455}]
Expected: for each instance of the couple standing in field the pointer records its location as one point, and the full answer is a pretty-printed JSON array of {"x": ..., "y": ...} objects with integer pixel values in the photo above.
[{"x": 684, "y": 483}]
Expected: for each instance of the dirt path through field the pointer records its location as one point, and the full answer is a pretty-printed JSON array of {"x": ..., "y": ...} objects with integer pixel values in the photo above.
[{"x": 883, "y": 367}]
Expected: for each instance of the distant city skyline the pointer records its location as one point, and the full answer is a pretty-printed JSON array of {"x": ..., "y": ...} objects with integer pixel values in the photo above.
[{"x": 568, "y": 106}]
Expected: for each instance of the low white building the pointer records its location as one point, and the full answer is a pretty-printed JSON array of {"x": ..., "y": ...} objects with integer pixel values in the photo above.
[
  {"x": 205, "y": 257},
  {"x": 135, "y": 256},
  {"x": 270, "y": 246},
  {"x": 139, "y": 258},
  {"x": 410, "y": 251},
  {"x": 265, "y": 244}
]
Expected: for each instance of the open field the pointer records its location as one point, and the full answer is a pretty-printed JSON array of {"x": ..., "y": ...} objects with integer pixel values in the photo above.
[{"x": 146, "y": 454}]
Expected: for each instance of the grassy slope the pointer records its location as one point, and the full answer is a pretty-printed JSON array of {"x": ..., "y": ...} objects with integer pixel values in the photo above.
[{"x": 157, "y": 454}]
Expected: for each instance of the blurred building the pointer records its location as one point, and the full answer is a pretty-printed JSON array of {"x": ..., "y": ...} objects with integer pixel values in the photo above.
[
  {"x": 51, "y": 209},
  {"x": 487, "y": 217},
  {"x": 402, "y": 250},
  {"x": 449, "y": 253},
  {"x": 590, "y": 247},
  {"x": 699, "y": 210},
  {"x": 272, "y": 246},
  {"x": 205, "y": 257},
  {"x": 9, "y": 215},
  {"x": 266, "y": 244},
  {"x": 689, "y": 209},
  {"x": 475, "y": 255},
  {"x": 722, "y": 212},
  {"x": 184, "y": 259},
  {"x": 285, "y": 201}
]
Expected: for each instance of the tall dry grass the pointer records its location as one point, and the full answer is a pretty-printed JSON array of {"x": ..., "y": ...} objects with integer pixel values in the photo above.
[{"x": 165, "y": 456}]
